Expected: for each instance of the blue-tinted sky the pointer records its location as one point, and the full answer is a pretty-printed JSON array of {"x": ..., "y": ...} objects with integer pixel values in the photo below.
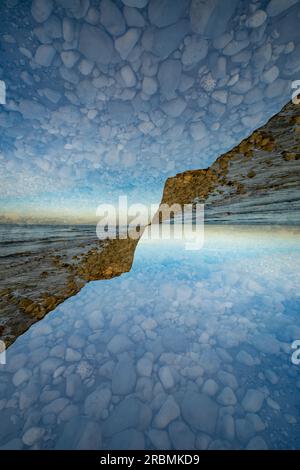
[{"x": 106, "y": 98}]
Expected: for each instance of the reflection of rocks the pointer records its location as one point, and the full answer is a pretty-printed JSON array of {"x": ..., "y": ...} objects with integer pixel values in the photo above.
[
  {"x": 129, "y": 439},
  {"x": 132, "y": 368},
  {"x": 266, "y": 343},
  {"x": 244, "y": 430},
  {"x": 80, "y": 433},
  {"x": 253, "y": 400},
  {"x": 165, "y": 12},
  {"x": 41, "y": 10},
  {"x": 33, "y": 435},
  {"x": 159, "y": 439},
  {"x": 126, "y": 415},
  {"x": 210, "y": 387},
  {"x": 44, "y": 55},
  {"x": 57, "y": 274},
  {"x": 227, "y": 397},
  {"x": 166, "y": 377},
  {"x": 126, "y": 43},
  {"x": 276, "y": 7},
  {"x": 244, "y": 358},
  {"x": 174, "y": 340},
  {"x": 119, "y": 344},
  {"x": 111, "y": 18},
  {"x": 124, "y": 378},
  {"x": 257, "y": 443},
  {"x": 97, "y": 402},
  {"x": 135, "y": 3},
  {"x": 144, "y": 367},
  {"x": 8, "y": 426},
  {"x": 181, "y": 436},
  {"x": 95, "y": 44},
  {"x": 210, "y": 17},
  {"x": 227, "y": 427},
  {"x": 169, "y": 75},
  {"x": 167, "y": 413},
  {"x": 200, "y": 412}
]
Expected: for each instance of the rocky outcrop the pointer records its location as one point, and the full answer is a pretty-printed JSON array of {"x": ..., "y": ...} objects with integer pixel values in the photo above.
[
  {"x": 256, "y": 182},
  {"x": 33, "y": 284}
]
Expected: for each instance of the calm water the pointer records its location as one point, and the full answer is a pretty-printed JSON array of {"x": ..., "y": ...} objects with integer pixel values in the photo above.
[
  {"x": 190, "y": 350},
  {"x": 15, "y": 239},
  {"x": 19, "y": 239}
]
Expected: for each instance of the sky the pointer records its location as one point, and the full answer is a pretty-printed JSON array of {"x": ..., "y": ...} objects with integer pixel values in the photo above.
[{"x": 110, "y": 98}]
